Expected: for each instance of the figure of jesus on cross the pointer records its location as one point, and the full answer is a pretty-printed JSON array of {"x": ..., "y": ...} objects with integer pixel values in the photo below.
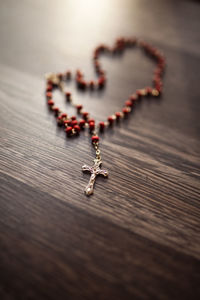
[{"x": 94, "y": 170}]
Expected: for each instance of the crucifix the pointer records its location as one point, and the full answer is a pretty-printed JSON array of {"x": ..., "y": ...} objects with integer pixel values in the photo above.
[{"x": 94, "y": 170}]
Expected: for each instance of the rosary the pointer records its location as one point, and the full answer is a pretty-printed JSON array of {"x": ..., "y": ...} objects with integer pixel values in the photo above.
[{"x": 74, "y": 126}]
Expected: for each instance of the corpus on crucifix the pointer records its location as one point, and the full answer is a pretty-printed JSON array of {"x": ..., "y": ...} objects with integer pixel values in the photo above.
[{"x": 94, "y": 170}]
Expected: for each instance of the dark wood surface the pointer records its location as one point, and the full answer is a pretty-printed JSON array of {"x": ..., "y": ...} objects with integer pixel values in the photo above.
[{"x": 137, "y": 237}]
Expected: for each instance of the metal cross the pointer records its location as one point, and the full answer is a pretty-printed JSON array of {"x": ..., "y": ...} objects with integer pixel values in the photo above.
[{"x": 94, "y": 170}]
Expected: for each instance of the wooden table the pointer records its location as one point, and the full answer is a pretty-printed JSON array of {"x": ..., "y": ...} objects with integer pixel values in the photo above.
[{"x": 137, "y": 237}]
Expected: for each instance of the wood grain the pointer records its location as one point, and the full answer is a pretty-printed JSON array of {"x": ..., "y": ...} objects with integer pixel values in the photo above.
[{"x": 138, "y": 236}]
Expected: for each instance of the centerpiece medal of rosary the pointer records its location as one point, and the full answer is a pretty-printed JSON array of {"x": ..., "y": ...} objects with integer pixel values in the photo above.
[{"x": 74, "y": 125}]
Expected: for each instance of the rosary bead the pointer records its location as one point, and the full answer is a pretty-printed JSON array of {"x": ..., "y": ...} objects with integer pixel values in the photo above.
[
  {"x": 68, "y": 96},
  {"x": 97, "y": 64},
  {"x": 139, "y": 93},
  {"x": 110, "y": 120},
  {"x": 148, "y": 90},
  {"x": 125, "y": 111},
  {"x": 49, "y": 88},
  {"x": 161, "y": 66},
  {"x": 158, "y": 72},
  {"x": 56, "y": 110},
  {"x": 59, "y": 120},
  {"x": 120, "y": 44},
  {"x": 155, "y": 92},
  {"x": 85, "y": 115},
  {"x": 91, "y": 126},
  {"x": 79, "y": 107},
  {"x": 101, "y": 81},
  {"x": 67, "y": 122},
  {"x": 118, "y": 115},
  {"x": 49, "y": 95},
  {"x": 129, "y": 103},
  {"x": 78, "y": 73},
  {"x": 68, "y": 130},
  {"x": 96, "y": 53},
  {"x": 50, "y": 102},
  {"x": 102, "y": 73},
  {"x": 101, "y": 48},
  {"x": 74, "y": 122},
  {"x": 133, "y": 98},
  {"x": 159, "y": 88},
  {"x": 77, "y": 128},
  {"x": 156, "y": 79},
  {"x": 91, "y": 121},
  {"x": 83, "y": 84},
  {"x": 82, "y": 123},
  {"x": 95, "y": 139},
  {"x": 101, "y": 126},
  {"x": 63, "y": 115},
  {"x": 91, "y": 84}
]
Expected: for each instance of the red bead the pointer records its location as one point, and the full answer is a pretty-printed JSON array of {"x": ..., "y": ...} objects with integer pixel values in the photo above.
[
  {"x": 156, "y": 79},
  {"x": 158, "y": 72},
  {"x": 79, "y": 107},
  {"x": 125, "y": 111},
  {"x": 101, "y": 126},
  {"x": 120, "y": 44},
  {"x": 161, "y": 66},
  {"x": 129, "y": 103},
  {"x": 83, "y": 84},
  {"x": 74, "y": 122},
  {"x": 148, "y": 90},
  {"x": 50, "y": 82},
  {"x": 49, "y": 88},
  {"x": 95, "y": 139},
  {"x": 97, "y": 64},
  {"x": 82, "y": 123},
  {"x": 63, "y": 115},
  {"x": 50, "y": 102},
  {"x": 110, "y": 120},
  {"x": 77, "y": 128},
  {"x": 59, "y": 120},
  {"x": 49, "y": 95},
  {"x": 91, "y": 125},
  {"x": 133, "y": 98},
  {"x": 73, "y": 118},
  {"x": 91, "y": 121},
  {"x": 85, "y": 115},
  {"x": 56, "y": 110},
  {"x": 139, "y": 93},
  {"x": 68, "y": 130},
  {"x": 102, "y": 73},
  {"x": 159, "y": 87},
  {"x": 68, "y": 95},
  {"x": 101, "y": 81},
  {"x": 78, "y": 73},
  {"x": 118, "y": 115},
  {"x": 67, "y": 122}
]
